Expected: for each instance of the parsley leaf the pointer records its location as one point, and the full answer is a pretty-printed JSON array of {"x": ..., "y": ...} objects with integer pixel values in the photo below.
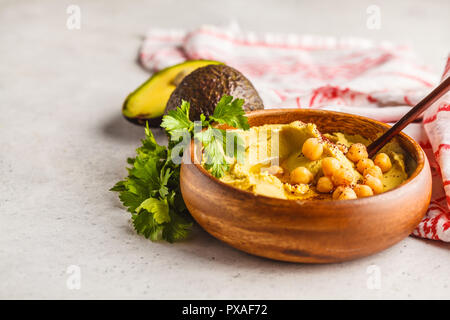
[
  {"x": 145, "y": 193},
  {"x": 145, "y": 224},
  {"x": 213, "y": 150},
  {"x": 230, "y": 112},
  {"x": 131, "y": 200},
  {"x": 151, "y": 191},
  {"x": 177, "y": 230},
  {"x": 159, "y": 208},
  {"x": 178, "y": 119}
]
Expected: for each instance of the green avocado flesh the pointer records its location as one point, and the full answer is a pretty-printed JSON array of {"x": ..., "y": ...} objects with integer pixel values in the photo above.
[{"x": 148, "y": 102}]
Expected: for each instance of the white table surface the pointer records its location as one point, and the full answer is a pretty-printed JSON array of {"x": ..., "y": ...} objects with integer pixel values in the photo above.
[{"x": 63, "y": 144}]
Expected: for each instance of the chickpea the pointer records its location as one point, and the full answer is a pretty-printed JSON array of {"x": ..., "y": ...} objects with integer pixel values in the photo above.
[
  {"x": 357, "y": 152},
  {"x": 374, "y": 171},
  {"x": 374, "y": 183},
  {"x": 312, "y": 149},
  {"x": 301, "y": 175},
  {"x": 342, "y": 147},
  {"x": 363, "y": 164},
  {"x": 273, "y": 170},
  {"x": 330, "y": 165},
  {"x": 347, "y": 194},
  {"x": 324, "y": 185},
  {"x": 342, "y": 177},
  {"x": 338, "y": 192},
  {"x": 383, "y": 161},
  {"x": 363, "y": 191}
]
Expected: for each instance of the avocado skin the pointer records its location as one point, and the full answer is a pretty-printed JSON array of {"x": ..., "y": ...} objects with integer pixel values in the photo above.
[
  {"x": 152, "y": 122},
  {"x": 204, "y": 87}
]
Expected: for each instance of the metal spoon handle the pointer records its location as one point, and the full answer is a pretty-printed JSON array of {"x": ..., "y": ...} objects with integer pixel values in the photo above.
[{"x": 424, "y": 104}]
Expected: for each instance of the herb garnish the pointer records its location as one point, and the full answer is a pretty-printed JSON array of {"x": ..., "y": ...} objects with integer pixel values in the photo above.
[{"x": 151, "y": 192}]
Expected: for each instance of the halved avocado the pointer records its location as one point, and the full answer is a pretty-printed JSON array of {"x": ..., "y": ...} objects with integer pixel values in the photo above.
[
  {"x": 148, "y": 102},
  {"x": 204, "y": 87}
]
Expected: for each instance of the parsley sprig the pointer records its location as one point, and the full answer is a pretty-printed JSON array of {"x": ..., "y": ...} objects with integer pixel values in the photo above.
[{"x": 151, "y": 191}]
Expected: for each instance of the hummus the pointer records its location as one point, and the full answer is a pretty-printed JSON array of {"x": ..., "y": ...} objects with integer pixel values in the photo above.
[{"x": 280, "y": 146}]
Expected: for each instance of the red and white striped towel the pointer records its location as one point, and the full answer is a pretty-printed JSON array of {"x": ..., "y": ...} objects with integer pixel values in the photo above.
[{"x": 377, "y": 80}]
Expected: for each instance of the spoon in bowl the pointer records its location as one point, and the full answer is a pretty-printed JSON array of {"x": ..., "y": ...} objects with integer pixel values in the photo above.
[{"x": 424, "y": 104}]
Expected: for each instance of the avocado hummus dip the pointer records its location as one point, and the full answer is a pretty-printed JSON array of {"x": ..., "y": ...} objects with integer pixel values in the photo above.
[{"x": 295, "y": 161}]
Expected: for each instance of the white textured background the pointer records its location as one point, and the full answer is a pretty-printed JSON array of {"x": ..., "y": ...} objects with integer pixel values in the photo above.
[{"x": 63, "y": 144}]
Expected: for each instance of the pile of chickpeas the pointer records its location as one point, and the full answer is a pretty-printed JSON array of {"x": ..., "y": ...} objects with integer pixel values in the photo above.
[{"x": 340, "y": 180}]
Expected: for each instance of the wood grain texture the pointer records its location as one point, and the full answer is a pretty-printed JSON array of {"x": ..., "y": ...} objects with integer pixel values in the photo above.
[{"x": 310, "y": 231}]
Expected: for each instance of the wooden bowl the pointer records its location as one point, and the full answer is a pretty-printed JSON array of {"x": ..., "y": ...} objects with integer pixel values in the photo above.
[{"x": 319, "y": 231}]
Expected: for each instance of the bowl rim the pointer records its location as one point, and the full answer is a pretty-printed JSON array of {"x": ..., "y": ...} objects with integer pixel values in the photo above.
[{"x": 420, "y": 159}]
